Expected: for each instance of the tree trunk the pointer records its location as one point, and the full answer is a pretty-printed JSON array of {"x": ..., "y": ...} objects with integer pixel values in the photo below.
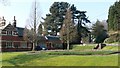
[
  {"x": 68, "y": 45},
  {"x": 100, "y": 46},
  {"x": 33, "y": 48}
]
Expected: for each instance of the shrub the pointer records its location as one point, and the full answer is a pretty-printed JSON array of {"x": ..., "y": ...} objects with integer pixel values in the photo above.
[{"x": 113, "y": 38}]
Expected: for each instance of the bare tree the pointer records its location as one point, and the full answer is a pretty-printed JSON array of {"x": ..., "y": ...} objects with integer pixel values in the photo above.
[
  {"x": 67, "y": 25},
  {"x": 33, "y": 22}
]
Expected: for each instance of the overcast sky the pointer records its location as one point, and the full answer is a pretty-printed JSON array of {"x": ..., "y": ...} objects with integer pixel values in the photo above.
[{"x": 96, "y": 9}]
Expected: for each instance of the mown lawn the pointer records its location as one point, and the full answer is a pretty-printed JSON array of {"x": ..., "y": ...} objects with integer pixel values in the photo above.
[
  {"x": 78, "y": 56},
  {"x": 44, "y": 59},
  {"x": 89, "y": 47}
]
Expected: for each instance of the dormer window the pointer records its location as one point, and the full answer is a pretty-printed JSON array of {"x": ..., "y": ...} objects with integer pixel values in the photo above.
[
  {"x": 9, "y": 32},
  {"x": 14, "y": 33},
  {"x": 4, "y": 32}
]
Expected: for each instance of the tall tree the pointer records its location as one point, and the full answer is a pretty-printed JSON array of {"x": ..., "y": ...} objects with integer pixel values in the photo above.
[
  {"x": 99, "y": 32},
  {"x": 56, "y": 17},
  {"x": 81, "y": 25},
  {"x": 67, "y": 22},
  {"x": 113, "y": 16},
  {"x": 68, "y": 31},
  {"x": 33, "y": 22},
  {"x": 54, "y": 20}
]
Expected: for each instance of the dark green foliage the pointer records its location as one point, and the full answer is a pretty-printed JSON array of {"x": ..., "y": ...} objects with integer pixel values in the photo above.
[
  {"x": 114, "y": 16},
  {"x": 101, "y": 37},
  {"x": 82, "y": 20},
  {"x": 54, "y": 20},
  {"x": 99, "y": 32}
]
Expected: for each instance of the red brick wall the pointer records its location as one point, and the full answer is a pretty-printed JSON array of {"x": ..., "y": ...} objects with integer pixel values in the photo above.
[
  {"x": 12, "y": 38},
  {"x": 16, "y": 41}
]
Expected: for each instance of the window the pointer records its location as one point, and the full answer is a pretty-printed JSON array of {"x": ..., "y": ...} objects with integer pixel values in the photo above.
[
  {"x": 23, "y": 45},
  {"x": 9, "y": 44},
  {"x": 9, "y": 32},
  {"x": 14, "y": 33},
  {"x": 3, "y": 32}
]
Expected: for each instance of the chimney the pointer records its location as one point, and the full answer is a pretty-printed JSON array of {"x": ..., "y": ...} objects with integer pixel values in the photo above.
[
  {"x": 14, "y": 22},
  {"x": 3, "y": 21}
]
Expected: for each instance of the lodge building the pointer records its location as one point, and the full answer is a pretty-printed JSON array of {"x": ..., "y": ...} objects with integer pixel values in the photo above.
[{"x": 11, "y": 39}]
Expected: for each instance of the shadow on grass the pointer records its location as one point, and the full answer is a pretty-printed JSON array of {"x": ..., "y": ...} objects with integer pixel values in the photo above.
[
  {"x": 21, "y": 60},
  {"x": 26, "y": 58},
  {"x": 115, "y": 52},
  {"x": 85, "y": 53}
]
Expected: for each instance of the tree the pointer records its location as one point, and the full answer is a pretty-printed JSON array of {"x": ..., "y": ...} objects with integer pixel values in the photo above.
[
  {"x": 68, "y": 31},
  {"x": 54, "y": 20},
  {"x": 113, "y": 17},
  {"x": 29, "y": 35},
  {"x": 81, "y": 24},
  {"x": 40, "y": 30},
  {"x": 99, "y": 32},
  {"x": 33, "y": 22},
  {"x": 67, "y": 24}
]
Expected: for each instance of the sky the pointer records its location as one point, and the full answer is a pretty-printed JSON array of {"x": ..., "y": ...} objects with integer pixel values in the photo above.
[{"x": 96, "y": 9}]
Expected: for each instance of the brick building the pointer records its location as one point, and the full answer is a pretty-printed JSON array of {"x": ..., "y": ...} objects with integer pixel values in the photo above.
[{"x": 11, "y": 38}]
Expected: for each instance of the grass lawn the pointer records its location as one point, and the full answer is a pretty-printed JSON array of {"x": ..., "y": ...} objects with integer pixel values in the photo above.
[
  {"x": 43, "y": 59},
  {"x": 47, "y": 58},
  {"x": 89, "y": 47}
]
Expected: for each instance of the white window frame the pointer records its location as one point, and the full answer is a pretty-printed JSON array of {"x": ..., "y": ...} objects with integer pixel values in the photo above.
[
  {"x": 9, "y": 32},
  {"x": 23, "y": 44},
  {"x": 9, "y": 44}
]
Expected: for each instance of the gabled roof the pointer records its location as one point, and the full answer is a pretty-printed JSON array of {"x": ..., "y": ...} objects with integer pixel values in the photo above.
[
  {"x": 53, "y": 38},
  {"x": 41, "y": 38},
  {"x": 9, "y": 27},
  {"x": 20, "y": 31}
]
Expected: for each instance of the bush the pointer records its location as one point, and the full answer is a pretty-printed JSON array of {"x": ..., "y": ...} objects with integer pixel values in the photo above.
[{"x": 113, "y": 38}]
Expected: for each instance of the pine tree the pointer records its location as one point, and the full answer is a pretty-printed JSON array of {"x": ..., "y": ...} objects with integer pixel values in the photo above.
[
  {"x": 113, "y": 17},
  {"x": 54, "y": 20}
]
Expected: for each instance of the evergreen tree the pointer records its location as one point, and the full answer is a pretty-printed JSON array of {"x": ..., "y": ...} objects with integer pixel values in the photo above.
[
  {"x": 82, "y": 20},
  {"x": 54, "y": 21},
  {"x": 113, "y": 17},
  {"x": 99, "y": 32},
  {"x": 56, "y": 17}
]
